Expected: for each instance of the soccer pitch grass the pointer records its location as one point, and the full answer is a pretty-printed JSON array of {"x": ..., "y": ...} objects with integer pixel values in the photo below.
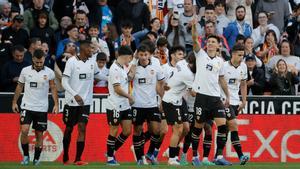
[{"x": 55, "y": 165}]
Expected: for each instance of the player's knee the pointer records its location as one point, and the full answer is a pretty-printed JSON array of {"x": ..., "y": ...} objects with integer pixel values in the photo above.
[
  {"x": 186, "y": 130},
  {"x": 163, "y": 130},
  {"x": 126, "y": 132},
  {"x": 137, "y": 130},
  {"x": 232, "y": 125},
  {"x": 81, "y": 128},
  {"x": 24, "y": 132},
  {"x": 178, "y": 129}
]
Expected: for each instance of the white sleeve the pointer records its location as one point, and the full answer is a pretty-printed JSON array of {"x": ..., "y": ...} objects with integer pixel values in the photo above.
[
  {"x": 68, "y": 69},
  {"x": 22, "y": 77},
  {"x": 66, "y": 85},
  {"x": 52, "y": 75},
  {"x": 222, "y": 70},
  {"x": 245, "y": 72},
  {"x": 115, "y": 77},
  {"x": 160, "y": 74}
]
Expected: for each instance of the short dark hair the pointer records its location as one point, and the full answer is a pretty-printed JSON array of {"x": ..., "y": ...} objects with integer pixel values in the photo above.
[
  {"x": 149, "y": 44},
  {"x": 143, "y": 48},
  {"x": 220, "y": 2},
  {"x": 126, "y": 24},
  {"x": 70, "y": 27},
  {"x": 80, "y": 12},
  {"x": 162, "y": 41},
  {"x": 125, "y": 50},
  {"x": 215, "y": 37},
  {"x": 240, "y": 6},
  {"x": 84, "y": 43},
  {"x": 34, "y": 40},
  {"x": 95, "y": 26},
  {"x": 101, "y": 56},
  {"x": 237, "y": 47},
  {"x": 175, "y": 49},
  {"x": 209, "y": 7},
  {"x": 152, "y": 33},
  {"x": 19, "y": 48},
  {"x": 240, "y": 37},
  {"x": 38, "y": 53}
]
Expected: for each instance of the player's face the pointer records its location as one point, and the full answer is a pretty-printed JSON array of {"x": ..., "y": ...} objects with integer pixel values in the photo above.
[
  {"x": 240, "y": 14},
  {"x": 101, "y": 63},
  {"x": 38, "y": 64},
  {"x": 178, "y": 55},
  {"x": 143, "y": 57},
  {"x": 212, "y": 44},
  {"x": 238, "y": 56}
]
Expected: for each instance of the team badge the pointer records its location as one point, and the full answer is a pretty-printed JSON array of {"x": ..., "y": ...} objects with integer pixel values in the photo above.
[
  {"x": 45, "y": 77},
  {"x": 22, "y": 119},
  {"x": 115, "y": 120},
  {"x": 152, "y": 72},
  {"x": 92, "y": 67}
]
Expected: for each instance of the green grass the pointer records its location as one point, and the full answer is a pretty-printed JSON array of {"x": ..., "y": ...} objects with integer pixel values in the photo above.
[{"x": 54, "y": 165}]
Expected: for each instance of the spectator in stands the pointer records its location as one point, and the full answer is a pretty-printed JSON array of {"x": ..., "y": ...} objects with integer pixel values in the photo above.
[
  {"x": 249, "y": 50},
  {"x": 101, "y": 86},
  {"x": 11, "y": 70},
  {"x": 43, "y": 30},
  {"x": 63, "y": 8},
  {"x": 286, "y": 54},
  {"x": 111, "y": 38},
  {"x": 210, "y": 29},
  {"x": 203, "y": 6},
  {"x": 134, "y": 10},
  {"x": 98, "y": 44},
  {"x": 70, "y": 50},
  {"x": 296, "y": 45},
  {"x": 293, "y": 26},
  {"x": 34, "y": 44},
  {"x": 31, "y": 15},
  {"x": 15, "y": 34},
  {"x": 72, "y": 32},
  {"x": 126, "y": 38},
  {"x": 222, "y": 19},
  {"x": 209, "y": 15},
  {"x": 49, "y": 59},
  {"x": 185, "y": 20},
  {"x": 259, "y": 33},
  {"x": 102, "y": 14},
  {"x": 175, "y": 33},
  {"x": 256, "y": 76},
  {"x": 231, "y": 6},
  {"x": 5, "y": 54},
  {"x": 82, "y": 23},
  {"x": 5, "y": 9},
  {"x": 18, "y": 6},
  {"x": 239, "y": 26},
  {"x": 61, "y": 33},
  {"x": 278, "y": 11},
  {"x": 269, "y": 48},
  {"x": 283, "y": 80},
  {"x": 162, "y": 51}
]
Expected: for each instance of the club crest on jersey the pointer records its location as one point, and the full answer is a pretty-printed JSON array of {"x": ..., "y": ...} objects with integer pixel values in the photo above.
[
  {"x": 45, "y": 77},
  {"x": 152, "y": 72},
  {"x": 92, "y": 67}
]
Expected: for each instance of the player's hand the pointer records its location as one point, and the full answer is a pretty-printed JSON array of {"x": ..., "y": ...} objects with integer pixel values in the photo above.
[
  {"x": 241, "y": 106},
  {"x": 160, "y": 109},
  {"x": 55, "y": 109},
  {"x": 166, "y": 87},
  {"x": 15, "y": 108},
  {"x": 250, "y": 82},
  {"x": 226, "y": 103},
  {"x": 131, "y": 100},
  {"x": 79, "y": 100}
]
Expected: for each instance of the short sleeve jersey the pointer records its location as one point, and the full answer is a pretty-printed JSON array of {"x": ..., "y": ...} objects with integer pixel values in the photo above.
[
  {"x": 117, "y": 76},
  {"x": 207, "y": 75},
  {"x": 181, "y": 80},
  {"x": 81, "y": 79},
  {"x": 144, "y": 85},
  {"x": 234, "y": 76},
  {"x": 36, "y": 88}
]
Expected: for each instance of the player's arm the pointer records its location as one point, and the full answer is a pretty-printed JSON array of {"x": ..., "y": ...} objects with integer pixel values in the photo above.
[
  {"x": 160, "y": 88},
  {"x": 18, "y": 91},
  {"x": 224, "y": 86},
  {"x": 131, "y": 72},
  {"x": 54, "y": 96},
  {"x": 68, "y": 88},
  {"x": 196, "y": 44},
  {"x": 118, "y": 89},
  {"x": 243, "y": 88}
]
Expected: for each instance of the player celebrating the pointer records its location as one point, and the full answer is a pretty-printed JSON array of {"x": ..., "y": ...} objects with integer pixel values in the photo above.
[
  {"x": 208, "y": 105},
  {"x": 236, "y": 78},
  {"x": 119, "y": 100},
  {"x": 181, "y": 79},
  {"x": 78, "y": 78},
  {"x": 147, "y": 77},
  {"x": 36, "y": 79}
]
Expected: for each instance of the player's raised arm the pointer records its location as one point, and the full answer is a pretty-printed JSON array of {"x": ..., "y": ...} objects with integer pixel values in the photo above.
[{"x": 196, "y": 44}]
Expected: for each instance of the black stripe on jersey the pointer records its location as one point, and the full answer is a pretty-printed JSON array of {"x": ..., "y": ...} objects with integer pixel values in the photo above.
[
  {"x": 161, "y": 79},
  {"x": 66, "y": 75},
  {"x": 20, "y": 82},
  {"x": 116, "y": 84},
  {"x": 96, "y": 73}
]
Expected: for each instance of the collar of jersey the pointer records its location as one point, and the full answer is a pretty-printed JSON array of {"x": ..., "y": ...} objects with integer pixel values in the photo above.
[
  {"x": 78, "y": 58},
  {"x": 233, "y": 65},
  {"x": 36, "y": 70},
  {"x": 118, "y": 64}
]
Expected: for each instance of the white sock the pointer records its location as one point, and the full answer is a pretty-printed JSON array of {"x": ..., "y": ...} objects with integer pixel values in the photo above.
[
  {"x": 205, "y": 159},
  {"x": 219, "y": 157},
  {"x": 109, "y": 158}
]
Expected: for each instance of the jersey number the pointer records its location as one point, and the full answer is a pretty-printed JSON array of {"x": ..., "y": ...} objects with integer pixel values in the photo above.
[
  {"x": 116, "y": 114},
  {"x": 198, "y": 111}
]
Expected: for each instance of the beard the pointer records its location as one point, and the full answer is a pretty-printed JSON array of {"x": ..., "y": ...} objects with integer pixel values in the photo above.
[{"x": 240, "y": 18}]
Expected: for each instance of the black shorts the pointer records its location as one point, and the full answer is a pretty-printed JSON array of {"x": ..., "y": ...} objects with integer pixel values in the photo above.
[
  {"x": 208, "y": 108},
  {"x": 38, "y": 119},
  {"x": 174, "y": 114},
  {"x": 140, "y": 115},
  {"x": 114, "y": 117},
  {"x": 232, "y": 112},
  {"x": 184, "y": 109},
  {"x": 76, "y": 114}
]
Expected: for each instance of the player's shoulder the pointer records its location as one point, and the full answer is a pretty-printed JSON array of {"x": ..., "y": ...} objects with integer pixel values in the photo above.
[
  {"x": 47, "y": 69},
  {"x": 27, "y": 68}
]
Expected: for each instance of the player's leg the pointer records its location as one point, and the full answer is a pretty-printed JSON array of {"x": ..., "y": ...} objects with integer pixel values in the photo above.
[
  {"x": 220, "y": 120},
  {"x": 69, "y": 121},
  {"x": 138, "y": 138},
  {"x": 207, "y": 142},
  {"x": 231, "y": 114},
  {"x": 25, "y": 121},
  {"x": 126, "y": 124},
  {"x": 113, "y": 119},
  {"x": 82, "y": 123},
  {"x": 174, "y": 140},
  {"x": 40, "y": 125}
]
